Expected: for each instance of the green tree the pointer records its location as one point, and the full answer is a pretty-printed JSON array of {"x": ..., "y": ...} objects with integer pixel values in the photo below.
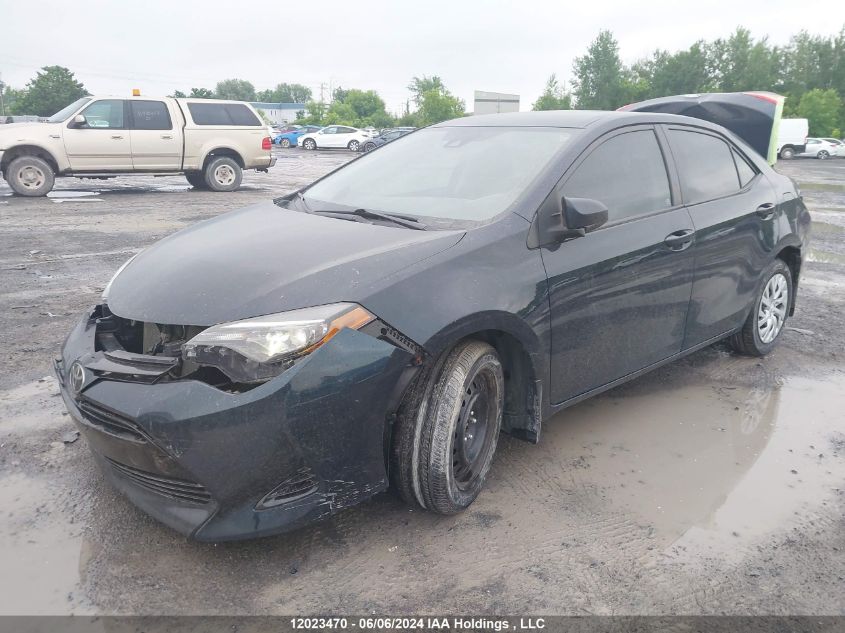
[
  {"x": 178, "y": 94},
  {"x": 52, "y": 89},
  {"x": 438, "y": 104},
  {"x": 683, "y": 72},
  {"x": 420, "y": 85},
  {"x": 554, "y": 97},
  {"x": 201, "y": 93},
  {"x": 822, "y": 108},
  {"x": 285, "y": 93},
  {"x": 236, "y": 89},
  {"x": 600, "y": 78}
]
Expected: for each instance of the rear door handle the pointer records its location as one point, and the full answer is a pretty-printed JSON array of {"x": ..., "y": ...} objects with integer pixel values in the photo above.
[
  {"x": 166, "y": 136},
  {"x": 766, "y": 211},
  {"x": 679, "y": 240},
  {"x": 116, "y": 136}
]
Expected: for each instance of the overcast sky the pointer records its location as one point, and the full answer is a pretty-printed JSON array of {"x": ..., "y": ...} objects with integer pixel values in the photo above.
[{"x": 161, "y": 46}]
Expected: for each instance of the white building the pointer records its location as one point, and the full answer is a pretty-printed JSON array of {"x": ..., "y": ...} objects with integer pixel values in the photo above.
[
  {"x": 495, "y": 102},
  {"x": 280, "y": 113}
]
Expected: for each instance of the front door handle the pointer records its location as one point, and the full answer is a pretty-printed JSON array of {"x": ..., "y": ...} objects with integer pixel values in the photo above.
[
  {"x": 166, "y": 136},
  {"x": 766, "y": 211},
  {"x": 117, "y": 137},
  {"x": 679, "y": 240}
]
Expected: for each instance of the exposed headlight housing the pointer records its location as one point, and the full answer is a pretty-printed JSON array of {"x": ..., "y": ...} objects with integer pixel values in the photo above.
[{"x": 254, "y": 350}]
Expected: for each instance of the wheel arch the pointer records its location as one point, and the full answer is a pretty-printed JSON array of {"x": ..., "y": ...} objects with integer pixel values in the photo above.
[
  {"x": 29, "y": 150},
  {"x": 223, "y": 151},
  {"x": 519, "y": 350},
  {"x": 791, "y": 256}
]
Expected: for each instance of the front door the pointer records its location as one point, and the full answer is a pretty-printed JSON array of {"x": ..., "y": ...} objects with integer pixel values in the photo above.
[
  {"x": 102, "y": 142},
  {"x": 327, "y": 137},
  {"x": 619, "y": 295},
  {"x": 156, "y": 144}
]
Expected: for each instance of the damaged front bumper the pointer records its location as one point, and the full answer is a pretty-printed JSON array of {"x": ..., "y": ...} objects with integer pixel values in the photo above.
[{"x": 219, "y": 465}]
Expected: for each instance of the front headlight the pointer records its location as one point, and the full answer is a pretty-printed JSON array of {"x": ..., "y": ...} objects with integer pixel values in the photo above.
[{"x": 256, "y": 349}]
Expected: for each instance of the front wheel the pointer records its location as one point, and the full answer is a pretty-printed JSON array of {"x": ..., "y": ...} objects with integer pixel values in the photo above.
[
  {"x": 823, "y": 155},
  {"x": 447, "y": 429},
  {"x": 30, "y": 176},
  {"x": 353, "y": 145},
  {"x": 309, "y": 143},
  {"x": 223, "y": 174},
  {"x": 768, "y": 316},
  {"x": 369, "y": 147}
]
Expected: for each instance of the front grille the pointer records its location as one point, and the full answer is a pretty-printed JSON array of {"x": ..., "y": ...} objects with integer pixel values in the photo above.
[
  {"x": 108, "y": 420},
  {"x": 178, "y": 489},
  {"x": 300, "y": 485}
]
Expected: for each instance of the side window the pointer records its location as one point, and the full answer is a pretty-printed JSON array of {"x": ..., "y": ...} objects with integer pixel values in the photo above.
[
  {"x": 626, "y": 173},
  {"x": 345, "y": 130},
  {"x": 329, "y": 130},
  {"x": 105, "y": 114},
  {"x": 706, "y": 168},
  {"x": 208, "y": 113},
  {"x": 241, "y": 115},
  {"x": 150, "y": 115},
  {"x": 746, "y": 171}
]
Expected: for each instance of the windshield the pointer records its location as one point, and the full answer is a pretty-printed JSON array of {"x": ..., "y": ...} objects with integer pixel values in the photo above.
[
  {"x": 453, "y": 173},
  {"x": 65, "y": 112}
]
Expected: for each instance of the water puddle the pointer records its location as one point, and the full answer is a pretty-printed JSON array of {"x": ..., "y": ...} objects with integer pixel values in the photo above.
[
  {"x": 825, "y": 257},
  {"x": 69, "y": 193},
  {"x": 712, "y": 468}
]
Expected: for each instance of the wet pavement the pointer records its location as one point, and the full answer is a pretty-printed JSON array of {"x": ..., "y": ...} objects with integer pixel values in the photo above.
[{"x": 713, "y": 485}]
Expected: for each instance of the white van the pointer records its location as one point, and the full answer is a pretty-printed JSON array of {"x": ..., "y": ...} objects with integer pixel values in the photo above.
[{"x": 792, "y": 137}]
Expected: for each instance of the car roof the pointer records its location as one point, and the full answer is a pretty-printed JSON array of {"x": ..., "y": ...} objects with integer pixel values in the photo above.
[{"x": 572, "y": 119}]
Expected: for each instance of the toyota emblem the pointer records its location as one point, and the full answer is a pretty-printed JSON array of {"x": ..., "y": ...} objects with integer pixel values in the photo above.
[{"x": 77, "y": 377}]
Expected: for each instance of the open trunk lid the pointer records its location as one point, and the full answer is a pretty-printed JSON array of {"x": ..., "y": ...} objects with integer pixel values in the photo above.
[{"x": 753, "y": 116}]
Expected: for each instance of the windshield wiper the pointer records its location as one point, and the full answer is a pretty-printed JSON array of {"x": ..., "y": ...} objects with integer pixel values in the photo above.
[{"x": 407, "y": 221}]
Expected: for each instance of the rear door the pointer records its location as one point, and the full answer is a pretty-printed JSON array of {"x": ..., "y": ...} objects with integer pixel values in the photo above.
[
  {"x": 619, "y": 295},
  {"x": 102, "y": 144},
  {"x": 344, "y": 135},
  {"x": 735, "y": 212},
  {"x": 156, "y": 139}
]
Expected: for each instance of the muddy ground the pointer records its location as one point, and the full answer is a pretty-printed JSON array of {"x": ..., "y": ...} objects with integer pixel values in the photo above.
[{"x": 713, "y": 485}]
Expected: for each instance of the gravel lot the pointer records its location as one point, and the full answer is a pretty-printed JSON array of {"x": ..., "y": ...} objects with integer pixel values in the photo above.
[{"x": 713, "y": 485}]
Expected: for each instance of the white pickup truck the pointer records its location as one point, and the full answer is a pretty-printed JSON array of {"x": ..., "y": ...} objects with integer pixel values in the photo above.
[{"x": 211, "y": 142}]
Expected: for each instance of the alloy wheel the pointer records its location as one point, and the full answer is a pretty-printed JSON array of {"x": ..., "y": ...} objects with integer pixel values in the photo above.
[{"x": 772, "y": 309}]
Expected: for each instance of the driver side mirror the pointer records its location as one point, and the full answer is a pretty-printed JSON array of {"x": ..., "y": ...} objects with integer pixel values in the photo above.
[
  {"x": 79, "y": 121},
  {"x": 561, "y": 219}
]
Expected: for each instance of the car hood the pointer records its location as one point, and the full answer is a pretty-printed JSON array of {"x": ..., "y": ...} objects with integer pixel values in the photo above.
[
  {"x": 15, "y": 132},
  {"x": 264, "y": 259},
  {"x": 752, "y": 116}
]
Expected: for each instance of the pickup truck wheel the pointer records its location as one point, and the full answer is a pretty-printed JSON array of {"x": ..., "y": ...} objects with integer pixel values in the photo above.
[
  {"x": 30, "y": 176},
  {"x": 223, "y": 174},
  {"x": 447, "y": 429},
  {"x": 196, "y": 180}
]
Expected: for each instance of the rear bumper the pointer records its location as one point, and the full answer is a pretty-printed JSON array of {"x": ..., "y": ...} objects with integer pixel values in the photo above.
[{"x": 218, "y": 466}]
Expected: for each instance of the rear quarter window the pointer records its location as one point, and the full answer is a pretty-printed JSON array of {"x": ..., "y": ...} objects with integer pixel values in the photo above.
[{"x": 223, "y": 114}]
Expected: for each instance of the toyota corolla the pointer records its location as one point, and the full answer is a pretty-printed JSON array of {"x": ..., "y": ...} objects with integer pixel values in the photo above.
[{"x": 383, "y": 325}]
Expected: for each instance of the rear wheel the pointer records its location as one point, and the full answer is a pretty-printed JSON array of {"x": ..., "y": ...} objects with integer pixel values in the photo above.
[
  {"x": 769, "y": 314},
  {"x": 196, "y": 180},
  {"x": 787, "y": 152},
  {"x": 223, "y": 174},
  {"x": 285, "y": 143},
  {"x": 30, "y": 176},
  {"x": 823, "y": 155},
  {"x": 447, "y": 430},
  {"x": 309, "y": 143}
]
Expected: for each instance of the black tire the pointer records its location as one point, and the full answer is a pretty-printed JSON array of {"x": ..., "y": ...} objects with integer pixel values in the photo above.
[
  {"x": 309, "y": 143},
  {"x": 369, "y": 147},
  {"x": 223, "y": 174},
  {"x": 30, "y": 176},
  {"x": 353, "y": 145},
  {"x": 285, "y": 142},
  {"x": 787, "y": 153},
  {"x": 196, "y": 180},
  {"x": 749, "y": 341},
  {"x": 439, "y": 456},
  {"x": 823, "y": 155}
]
